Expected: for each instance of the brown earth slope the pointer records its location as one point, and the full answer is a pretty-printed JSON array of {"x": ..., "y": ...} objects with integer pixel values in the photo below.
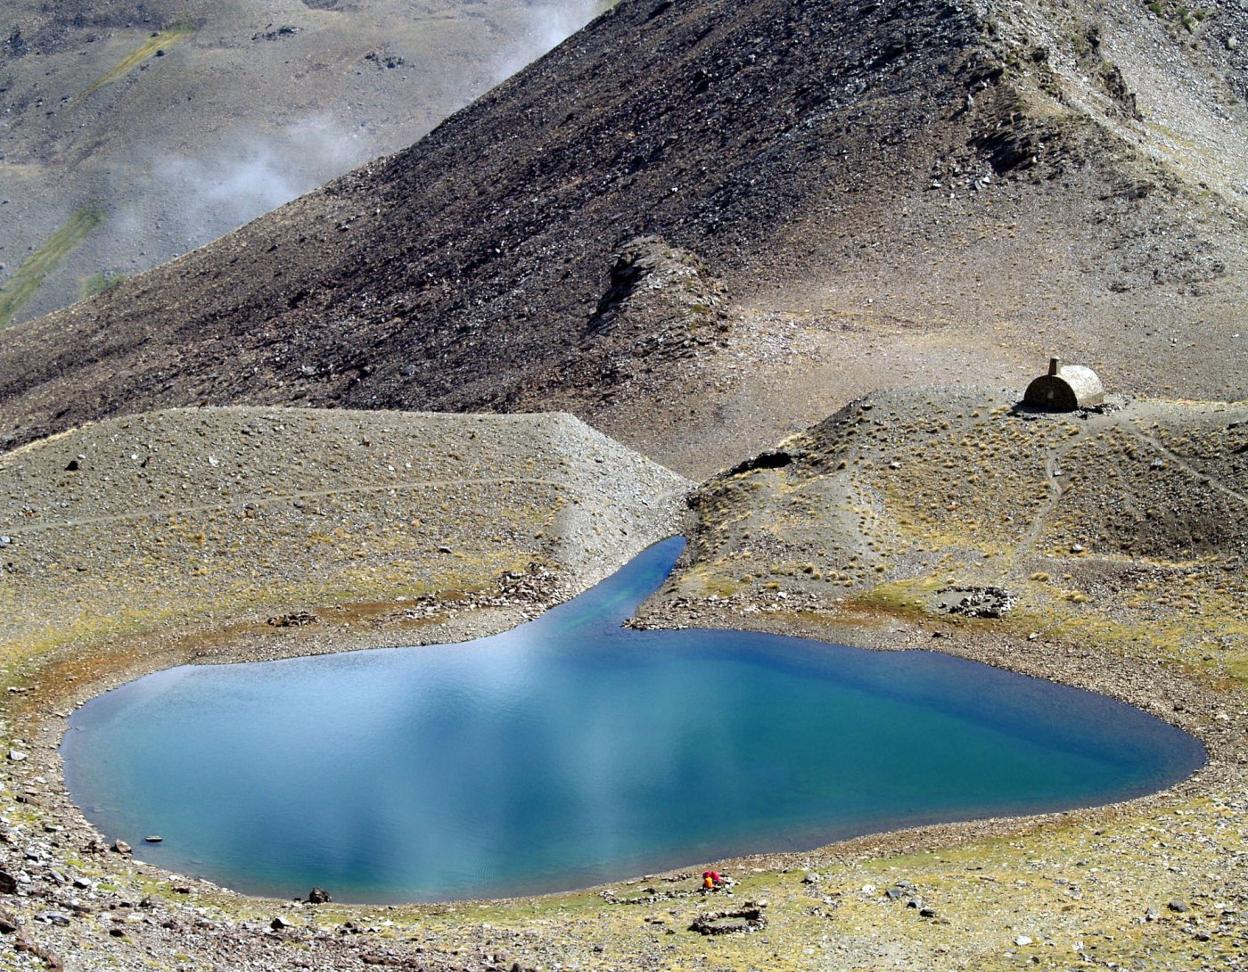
[
  {"x": 1125, "y": 528},
  {"x": 704, "y": 224}
]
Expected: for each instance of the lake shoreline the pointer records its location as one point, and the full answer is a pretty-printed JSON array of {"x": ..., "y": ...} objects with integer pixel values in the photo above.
[
  {"x": 261, "y": 642},
  {"x": 278, "y": 591},
  {"x": 1134, "y": 753},
  {"x": 239, "y": 919}
]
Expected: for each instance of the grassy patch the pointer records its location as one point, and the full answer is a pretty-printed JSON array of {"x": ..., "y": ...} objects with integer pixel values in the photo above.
[
  {"x": 1178, "y": 14},
  {"x": 1209, "y": 640},
  {"x": 902, "y": 598},
  {"x": 145, "y": 51},
  {"x": 100, "y": 282},
  {"x": 29, "y": 277}
]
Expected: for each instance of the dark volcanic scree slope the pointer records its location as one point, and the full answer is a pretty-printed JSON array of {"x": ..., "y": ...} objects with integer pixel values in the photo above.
[{"x": 727, "y": 217}]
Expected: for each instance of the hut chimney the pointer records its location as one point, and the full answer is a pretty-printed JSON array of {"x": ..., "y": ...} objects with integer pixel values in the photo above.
[{"x": 1055, "y": 365}]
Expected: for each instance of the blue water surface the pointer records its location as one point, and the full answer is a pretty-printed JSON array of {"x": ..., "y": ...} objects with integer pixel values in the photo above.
[{"x": 571, "y": 751}]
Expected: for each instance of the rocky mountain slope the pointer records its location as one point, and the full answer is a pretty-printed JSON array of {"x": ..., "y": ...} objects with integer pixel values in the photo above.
[
  {"x": 704, "y": 224},
  {"x": 132, "y": 131}
]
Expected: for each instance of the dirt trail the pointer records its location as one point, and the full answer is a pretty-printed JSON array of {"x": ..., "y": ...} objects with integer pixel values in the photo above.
[
  {"x": 1098, "y": 426},
  {"x": 1199, "y": 475},
  {"x": 273, "y": 499}
]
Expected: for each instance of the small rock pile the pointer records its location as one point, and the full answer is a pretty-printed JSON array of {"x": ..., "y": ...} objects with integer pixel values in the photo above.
[
  {"x": 976, "y": 602},
  {"x": 749, "y": 918}
]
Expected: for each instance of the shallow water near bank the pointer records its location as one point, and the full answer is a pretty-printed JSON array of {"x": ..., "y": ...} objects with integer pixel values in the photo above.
[{"x": 571, "y": 751}]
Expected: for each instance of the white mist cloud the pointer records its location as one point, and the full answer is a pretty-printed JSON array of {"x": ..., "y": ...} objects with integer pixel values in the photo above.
[
  {"x": 547, "y": 26},
  {"x": 249, "y": 174},
  {"x": 188, "y": 201}
]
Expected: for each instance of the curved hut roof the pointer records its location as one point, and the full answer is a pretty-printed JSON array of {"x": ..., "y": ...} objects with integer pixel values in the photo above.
[{"x": 1066, "y": 388}]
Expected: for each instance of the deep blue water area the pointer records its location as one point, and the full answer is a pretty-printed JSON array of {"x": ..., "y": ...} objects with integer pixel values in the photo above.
[{"x": 571, "y": 751}]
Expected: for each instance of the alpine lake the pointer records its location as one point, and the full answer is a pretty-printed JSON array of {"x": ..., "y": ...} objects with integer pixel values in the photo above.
[{"x": 572, "y": 751}]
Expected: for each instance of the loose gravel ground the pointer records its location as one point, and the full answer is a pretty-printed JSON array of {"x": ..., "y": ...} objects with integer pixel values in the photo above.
[{"x": 846, "y": 532}]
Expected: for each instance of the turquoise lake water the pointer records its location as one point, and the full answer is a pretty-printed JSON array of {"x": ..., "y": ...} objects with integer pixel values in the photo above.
[{"x": 572, "y": 751}]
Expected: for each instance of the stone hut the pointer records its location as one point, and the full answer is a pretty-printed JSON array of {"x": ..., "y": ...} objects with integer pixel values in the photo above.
[{"x": 1066, "y": 388}]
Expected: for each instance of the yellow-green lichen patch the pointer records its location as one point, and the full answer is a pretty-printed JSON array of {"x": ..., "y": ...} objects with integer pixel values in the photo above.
[
  {"x": 19, "y": 289},
  {"x": 153, "y": 46}
]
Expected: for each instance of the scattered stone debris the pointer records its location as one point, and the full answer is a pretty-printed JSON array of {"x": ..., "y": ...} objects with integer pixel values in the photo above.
[
  {"x": 747, "y": 919},
  {"x": 271, "y": 33},
  {"x": 50, "y": 959},
  {"x": 296, "y": 619},
  {"x": 536, "y": 585},
  {"x": 650, "y": 896},
  {"x": 976, "y": 602},
  {"x": 384, "y": 60},
  {"x": 17, "y": 43}
]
